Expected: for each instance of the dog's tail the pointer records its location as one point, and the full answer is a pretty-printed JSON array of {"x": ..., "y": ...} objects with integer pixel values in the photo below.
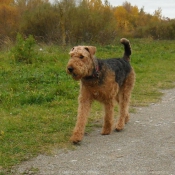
[{"x": 127, "y": 48}]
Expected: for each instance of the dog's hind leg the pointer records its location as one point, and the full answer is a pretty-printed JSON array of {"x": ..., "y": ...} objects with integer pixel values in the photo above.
[
  {"x": 124, "y": 99},
  {"x": 108, "y": 118}
]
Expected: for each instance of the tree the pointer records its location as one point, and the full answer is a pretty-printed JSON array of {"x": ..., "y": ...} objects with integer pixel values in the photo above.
[
  {"x": 40, "y": 21},
  {"x": 121, "y": 16},
  {"x": 8, "y": 18}
]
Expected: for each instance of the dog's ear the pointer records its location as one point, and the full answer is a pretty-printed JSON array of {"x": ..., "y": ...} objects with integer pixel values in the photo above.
[
  {"x": 91, "y": 49},
  {"x": 71, "y": 51}
]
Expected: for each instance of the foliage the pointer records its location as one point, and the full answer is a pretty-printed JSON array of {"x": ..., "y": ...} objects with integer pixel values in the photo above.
[
  {"x": 8, "y": 18},
  {"x": 38, "y": 102},
  {"x": 40, "y": 20},
  {"x": 80, "y": 21},
  {"x": 23, "y": 51}
]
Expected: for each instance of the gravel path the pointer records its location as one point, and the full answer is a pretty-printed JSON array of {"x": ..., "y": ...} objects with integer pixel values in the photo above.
[{"x": 145, "y": 147}]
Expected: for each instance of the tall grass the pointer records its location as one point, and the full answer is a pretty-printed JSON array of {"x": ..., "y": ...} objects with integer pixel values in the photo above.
[{"x": 38, "y": 101}]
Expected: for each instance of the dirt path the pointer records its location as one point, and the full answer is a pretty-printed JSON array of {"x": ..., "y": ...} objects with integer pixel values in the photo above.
[{"x": 145, "y": 147}]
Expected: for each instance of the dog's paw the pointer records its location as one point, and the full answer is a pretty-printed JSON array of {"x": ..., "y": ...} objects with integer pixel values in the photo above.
[
  {"x": 119, "y": 127},
  {"x": 75, "y": 142},
  {"x": 118, "y": 130},
  {"x": 127, "y": 118},
  {"x": 106, "y": 132},
  {"x": 120, "y": 124},
  {"x": 76, "y": 138}
]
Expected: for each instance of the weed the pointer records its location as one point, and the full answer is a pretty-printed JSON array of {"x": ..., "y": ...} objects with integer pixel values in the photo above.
[{"x": 23, "y": 51}]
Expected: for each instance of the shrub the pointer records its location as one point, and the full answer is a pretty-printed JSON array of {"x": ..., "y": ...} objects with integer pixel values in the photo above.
[{"x": 23, "y": 51}]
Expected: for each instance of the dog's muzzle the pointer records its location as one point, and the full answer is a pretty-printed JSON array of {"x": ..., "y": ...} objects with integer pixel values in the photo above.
[{"x": 70, "y": 69}]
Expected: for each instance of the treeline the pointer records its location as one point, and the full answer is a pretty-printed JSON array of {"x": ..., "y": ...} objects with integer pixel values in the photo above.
[{"x": 80, "y": 21}]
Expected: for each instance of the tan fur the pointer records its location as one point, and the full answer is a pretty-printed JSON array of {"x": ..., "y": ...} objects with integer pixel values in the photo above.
[{"x": 107, "y": 93}]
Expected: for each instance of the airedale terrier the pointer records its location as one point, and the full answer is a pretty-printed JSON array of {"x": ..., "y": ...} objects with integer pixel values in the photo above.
[{"x": 106, "y": 81}]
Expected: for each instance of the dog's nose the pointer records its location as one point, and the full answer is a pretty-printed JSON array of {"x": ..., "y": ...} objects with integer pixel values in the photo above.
[{"x": 70, "y": 69}]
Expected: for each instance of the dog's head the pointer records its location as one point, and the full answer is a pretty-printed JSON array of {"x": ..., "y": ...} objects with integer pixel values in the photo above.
[{"x": 81, "y": 62}]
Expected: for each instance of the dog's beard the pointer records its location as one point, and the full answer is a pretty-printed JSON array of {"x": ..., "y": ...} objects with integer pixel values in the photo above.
[{"x": 76, "y": 76}]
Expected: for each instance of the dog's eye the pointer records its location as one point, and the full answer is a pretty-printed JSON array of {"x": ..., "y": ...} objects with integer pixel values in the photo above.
[{"x": 81, "y": 56}]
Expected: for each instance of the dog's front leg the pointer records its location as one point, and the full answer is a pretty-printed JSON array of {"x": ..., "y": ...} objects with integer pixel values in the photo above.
[{"x": 83, "y": 112}]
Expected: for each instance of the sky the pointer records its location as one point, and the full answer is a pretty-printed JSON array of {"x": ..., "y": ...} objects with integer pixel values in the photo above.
[{"x": 167, "y": 6}]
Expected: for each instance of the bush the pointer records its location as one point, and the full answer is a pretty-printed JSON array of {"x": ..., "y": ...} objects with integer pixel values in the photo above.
[{"x": 23, "y": 51}]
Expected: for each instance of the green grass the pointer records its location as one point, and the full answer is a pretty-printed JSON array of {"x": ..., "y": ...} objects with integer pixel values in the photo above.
[{"x": 38, "y": 102}]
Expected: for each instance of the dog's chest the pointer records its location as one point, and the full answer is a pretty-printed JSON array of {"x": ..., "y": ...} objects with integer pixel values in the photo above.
[{"x": 104, "y": 87}]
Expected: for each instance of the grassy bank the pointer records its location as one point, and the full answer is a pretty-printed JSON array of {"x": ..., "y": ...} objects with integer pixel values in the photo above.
[{"x": 38, "y": 102}]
